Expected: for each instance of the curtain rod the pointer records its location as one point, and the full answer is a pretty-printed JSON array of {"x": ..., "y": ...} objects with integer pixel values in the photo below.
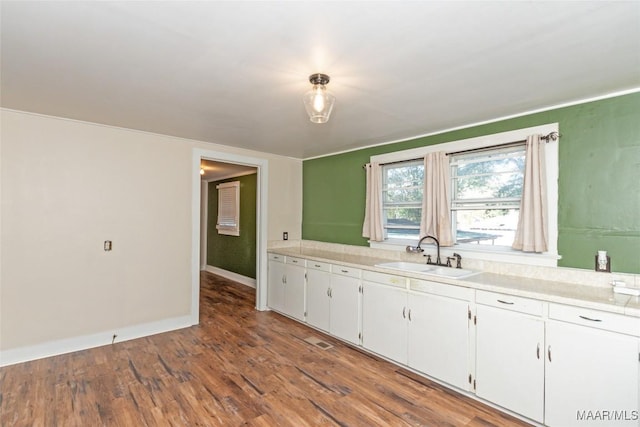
[{"x": 553, "y": 136}]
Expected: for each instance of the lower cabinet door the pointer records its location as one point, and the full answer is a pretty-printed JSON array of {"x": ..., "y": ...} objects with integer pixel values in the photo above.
[
  {"x": 318, "y": 283},
  {"x": 275, "y": 287},
  {"x": 294, "y": 291},
  {"x": 593, "y": 377},
  {"x": 510, "y": 360},
  {"x": 438, "y": 342},
  {"x": 344, "y": 311},
  {"x": 384, "y": 321}
]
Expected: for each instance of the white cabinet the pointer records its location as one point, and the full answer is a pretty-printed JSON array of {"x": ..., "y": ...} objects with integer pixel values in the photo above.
[
  {"x": 286, "y": 289},
  {"x": 426, "y": 330},
  {"x": 294, "y": 287},
  {"x": 592, "y": 372},
  {"x": 344, "y": 308},
  {"x": 275, "y": 289},
  {"x": 384, "y": 320},
  {"x": 318, "y": 291},
  {"x": 509, "y": 353},
  {"x": 438, "y": 335}
]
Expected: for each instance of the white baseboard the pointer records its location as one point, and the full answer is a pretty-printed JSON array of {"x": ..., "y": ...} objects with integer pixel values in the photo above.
[
  {"x": 243, "y": 280},
  {"x": 68, "y": 345}
]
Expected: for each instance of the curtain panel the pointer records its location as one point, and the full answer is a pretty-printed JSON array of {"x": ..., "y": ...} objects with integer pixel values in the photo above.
[
  {"x": 436, "y": 200},
  {"x": 372, "y": 227},
  {"x": 532, "y": 230}
]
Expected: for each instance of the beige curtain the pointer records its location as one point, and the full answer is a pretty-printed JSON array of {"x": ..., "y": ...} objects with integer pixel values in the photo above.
[
  {"x": 532, "y": 234},
  {"x": 372, "y": 227},
  {"x": 436, "y": 207}
]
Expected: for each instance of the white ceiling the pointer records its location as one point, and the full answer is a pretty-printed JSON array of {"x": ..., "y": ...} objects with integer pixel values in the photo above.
[{"x": 234, "y": 73}]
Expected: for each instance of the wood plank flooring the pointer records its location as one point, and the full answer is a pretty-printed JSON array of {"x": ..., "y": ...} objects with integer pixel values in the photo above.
[{"x": 239, "y": 367}]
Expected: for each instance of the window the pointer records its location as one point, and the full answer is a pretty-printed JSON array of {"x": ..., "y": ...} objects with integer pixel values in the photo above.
[
  {"x": 228, "y": 208},
  {"x": 485, "y": 189}
]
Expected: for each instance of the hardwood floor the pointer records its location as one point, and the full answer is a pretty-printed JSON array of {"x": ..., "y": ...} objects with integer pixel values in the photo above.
[{"x": 239, "y": 367}]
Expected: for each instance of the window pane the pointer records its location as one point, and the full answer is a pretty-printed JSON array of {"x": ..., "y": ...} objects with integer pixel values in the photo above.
[
  {"x": 486, "y": 193},
  {"x": 402, "y": 199},
  {"x": 487, "y": 226},
  {"x": 489, "y": 176}
]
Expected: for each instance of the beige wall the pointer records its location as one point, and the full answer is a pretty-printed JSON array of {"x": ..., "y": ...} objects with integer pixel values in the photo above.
[{"x": 66, "y": 187}]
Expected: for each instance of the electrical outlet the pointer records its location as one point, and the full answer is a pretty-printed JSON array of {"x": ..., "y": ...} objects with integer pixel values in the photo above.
[
  {"x": 107, "y": 245},
  {"x": 285, "y": 236}
]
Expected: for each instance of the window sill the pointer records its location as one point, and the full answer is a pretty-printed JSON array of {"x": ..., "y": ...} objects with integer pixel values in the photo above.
[{"x": 478, "y": 252}]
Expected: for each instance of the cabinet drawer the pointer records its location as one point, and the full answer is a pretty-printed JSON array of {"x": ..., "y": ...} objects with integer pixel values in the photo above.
[
  {"x": 596, "y": 319},
  {"x": 345, "y": 271},
  {"x": 318, "y": 265},
  {"x": 296, "y": 261},
  {"x": 441, "y": 289},
  {"x": 384, "y": 279},
  {"x": 509, "y": 302},
  {"x": 276, "y": 257}
]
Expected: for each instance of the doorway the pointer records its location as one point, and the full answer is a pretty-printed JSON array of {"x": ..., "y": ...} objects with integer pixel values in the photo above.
[
  {"x": 229, "y": 254},
  {"x": 261, "y": 168}
]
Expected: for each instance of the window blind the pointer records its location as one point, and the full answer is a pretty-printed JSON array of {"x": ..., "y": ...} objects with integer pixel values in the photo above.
[{"x": 228, "y": 208}]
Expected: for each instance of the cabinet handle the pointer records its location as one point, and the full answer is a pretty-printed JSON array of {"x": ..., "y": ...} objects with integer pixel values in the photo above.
[
  {"x": 328, "y": 294},
  {"x": 590, "y": 319},
  {"x": 549, "y": 353},
  {"x": 317, "y": 265},
  {"x": 505, "y": 302},
  {"x": 538, "y": 351},
  {"x": 404, "y": 309},
  {"x": 344, "y": 271},
  {"x": 409, "y": 314}
]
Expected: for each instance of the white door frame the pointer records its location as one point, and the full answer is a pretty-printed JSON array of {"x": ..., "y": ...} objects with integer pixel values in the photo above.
[{"x": 262, "y": 166}]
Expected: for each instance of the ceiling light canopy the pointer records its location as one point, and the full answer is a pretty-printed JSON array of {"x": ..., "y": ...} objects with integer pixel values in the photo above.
[{"x": 318, "y": 101}]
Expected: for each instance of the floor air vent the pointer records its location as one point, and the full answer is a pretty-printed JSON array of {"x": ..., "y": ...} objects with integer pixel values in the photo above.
[{"x": 318, "y": 343}]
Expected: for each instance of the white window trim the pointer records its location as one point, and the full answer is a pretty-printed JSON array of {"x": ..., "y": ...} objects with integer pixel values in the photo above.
[
  {"x": 489, "y": 253},
  {"x": 229, "y": 230}
]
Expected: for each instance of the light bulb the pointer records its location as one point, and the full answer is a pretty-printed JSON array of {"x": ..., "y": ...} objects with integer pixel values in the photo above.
[
  {"x": 318, "y": 99},
  {"x": 201, "y": 171}
]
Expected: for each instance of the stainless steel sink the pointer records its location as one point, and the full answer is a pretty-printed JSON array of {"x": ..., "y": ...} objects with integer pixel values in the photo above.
[{"x": 431, "y": 270}]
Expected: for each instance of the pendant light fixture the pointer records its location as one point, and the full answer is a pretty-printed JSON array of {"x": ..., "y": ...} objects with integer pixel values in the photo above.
[{"x": 318, "y": 101}]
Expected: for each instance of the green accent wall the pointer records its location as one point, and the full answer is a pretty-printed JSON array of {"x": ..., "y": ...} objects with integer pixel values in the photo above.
[
  {"x": 234, "y": 253},
  {"x": 598, "y": 188}
]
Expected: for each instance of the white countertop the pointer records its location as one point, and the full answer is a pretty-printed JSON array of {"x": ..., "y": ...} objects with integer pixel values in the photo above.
[{"x": 592, "y": 297}]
